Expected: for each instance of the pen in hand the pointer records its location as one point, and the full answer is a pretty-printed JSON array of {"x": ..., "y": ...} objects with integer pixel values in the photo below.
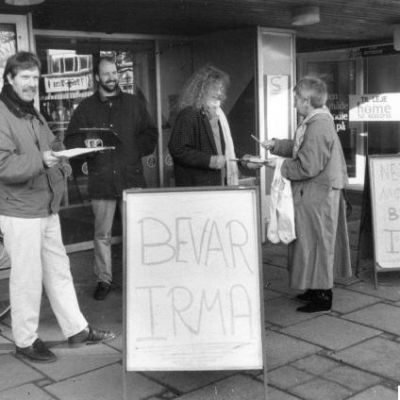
[
  {"x": 256, "y": 139},
  {"x": 267, "y": 145}
]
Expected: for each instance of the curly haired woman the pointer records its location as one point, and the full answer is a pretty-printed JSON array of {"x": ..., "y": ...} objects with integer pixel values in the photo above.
[{"x": 201, "y": 144}]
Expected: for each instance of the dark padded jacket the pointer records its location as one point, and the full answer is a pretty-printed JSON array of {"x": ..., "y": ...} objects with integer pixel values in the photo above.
[{"x": 111, "y": 172}]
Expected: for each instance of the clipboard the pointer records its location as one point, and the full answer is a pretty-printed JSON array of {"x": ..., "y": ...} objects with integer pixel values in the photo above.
[{"x": 77, "y": 139}]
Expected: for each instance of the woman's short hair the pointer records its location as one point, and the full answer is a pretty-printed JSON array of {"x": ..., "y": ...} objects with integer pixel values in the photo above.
[
  {"x": 197, "y": 87},
  {"x": 314, "y": 89},
  {"x": 21, "y": 61}
]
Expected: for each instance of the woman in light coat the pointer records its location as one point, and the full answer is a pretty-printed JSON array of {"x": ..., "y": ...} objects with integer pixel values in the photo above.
[{"x": 317, "y": 170}]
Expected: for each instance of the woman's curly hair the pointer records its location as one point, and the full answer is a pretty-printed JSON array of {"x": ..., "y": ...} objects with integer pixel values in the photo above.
[{"x": 197, "y": 87}]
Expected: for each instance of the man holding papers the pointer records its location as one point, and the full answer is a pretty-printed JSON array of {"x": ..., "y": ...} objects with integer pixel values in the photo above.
[
  {"x": 32, "y": 183},
  {"x": 111, "y": 172}
]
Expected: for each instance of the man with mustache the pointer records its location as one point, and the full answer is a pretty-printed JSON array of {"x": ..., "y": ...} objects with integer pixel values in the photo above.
[
  {"x": 32, "y": 185},
  {"x": 113, "y": 171}
]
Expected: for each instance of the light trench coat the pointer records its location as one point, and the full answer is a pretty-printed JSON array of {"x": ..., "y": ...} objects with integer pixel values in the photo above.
[{"x": 317, "y": 173}]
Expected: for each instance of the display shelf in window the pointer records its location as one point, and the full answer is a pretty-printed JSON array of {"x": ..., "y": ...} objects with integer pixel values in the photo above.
[
  {"x": 58, "y": 86},
  {"x": 61, "y": 94}
]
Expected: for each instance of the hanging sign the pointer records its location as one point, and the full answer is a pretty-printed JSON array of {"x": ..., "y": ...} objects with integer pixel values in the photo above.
[
  {"x": 193, "y": 279},
  {"x": 375, "y": 107},
  {"x": 57, "y": 84}
]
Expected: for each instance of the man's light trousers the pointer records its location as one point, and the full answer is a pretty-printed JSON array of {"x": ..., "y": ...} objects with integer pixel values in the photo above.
[
  {"x": 104, "y": 211},
  {"x": 38, "y": 257}
]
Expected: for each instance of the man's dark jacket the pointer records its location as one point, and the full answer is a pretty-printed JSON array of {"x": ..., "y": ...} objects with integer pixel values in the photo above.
[{"x": 111, "y": 172}]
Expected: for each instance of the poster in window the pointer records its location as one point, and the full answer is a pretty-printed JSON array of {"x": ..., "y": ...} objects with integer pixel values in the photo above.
[{"x": 8, "y": 46}]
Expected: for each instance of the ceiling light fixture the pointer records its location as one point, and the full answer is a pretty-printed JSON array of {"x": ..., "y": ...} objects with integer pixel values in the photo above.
[
  {"x": 306, "y": 15},
  {"x": 23, "y": 2}
]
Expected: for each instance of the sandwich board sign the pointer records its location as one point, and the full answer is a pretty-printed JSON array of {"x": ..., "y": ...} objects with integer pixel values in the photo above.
[
  {"x": 384, "y": 172},
  {"x": 192, "y": 280}
]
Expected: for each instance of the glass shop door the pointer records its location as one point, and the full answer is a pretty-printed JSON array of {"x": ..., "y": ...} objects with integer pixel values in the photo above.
[
  {"x": 276, "y": 76},
  {"x": 67, "y": 78},
  {"x": 342, "y": 72}
]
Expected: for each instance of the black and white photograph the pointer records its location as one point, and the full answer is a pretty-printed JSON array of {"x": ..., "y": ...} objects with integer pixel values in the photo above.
[{"x": 199, "y": 200}]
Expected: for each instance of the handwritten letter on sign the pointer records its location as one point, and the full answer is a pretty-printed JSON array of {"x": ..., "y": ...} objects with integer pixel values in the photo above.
[
  {"x": 192, "y": 280},
  {"x": 385, "y": 200}
]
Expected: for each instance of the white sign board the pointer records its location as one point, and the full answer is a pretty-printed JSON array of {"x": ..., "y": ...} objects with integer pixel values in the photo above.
[
  {"x": 192, "y": 277},
  {"x": 374, "y": 107},
  {"x": 385, "y": 202},
  {"x": 277, "y": 103},
  {"x": 65, "y": 84}
]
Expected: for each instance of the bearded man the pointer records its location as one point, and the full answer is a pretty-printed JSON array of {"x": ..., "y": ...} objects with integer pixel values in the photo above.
[{"x": 112, "y": 172}]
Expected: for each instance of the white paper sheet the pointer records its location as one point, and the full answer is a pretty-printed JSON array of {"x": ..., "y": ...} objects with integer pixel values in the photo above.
[
  {"x": 254, "y": 160},
  {"x": 80, "y": 150}
]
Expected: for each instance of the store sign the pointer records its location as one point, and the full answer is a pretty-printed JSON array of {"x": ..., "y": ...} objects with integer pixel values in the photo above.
[
  {"x": 56, "y": 84},
  {"x": 375, "y": 107},
  {"x": 339, "y": 108}
]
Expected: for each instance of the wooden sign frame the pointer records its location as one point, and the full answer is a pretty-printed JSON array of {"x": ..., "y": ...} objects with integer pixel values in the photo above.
[
  {"x": 378, "y": 220},
  {"x": 147, "y": 202}
]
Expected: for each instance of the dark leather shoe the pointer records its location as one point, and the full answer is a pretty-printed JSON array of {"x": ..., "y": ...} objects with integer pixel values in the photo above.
[
  {"x": 90, "y": 335},
  {"x": 315, "y": 307},
  {"x": 36, "y": 352},
  {"x": 102, "y": 290},
  {"x": 308, "y": 295},
  {"x": 322, "y": 301}
]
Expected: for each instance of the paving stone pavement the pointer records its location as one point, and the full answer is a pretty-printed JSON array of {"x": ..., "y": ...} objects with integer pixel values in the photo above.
[{"x": 351, "y": 353}]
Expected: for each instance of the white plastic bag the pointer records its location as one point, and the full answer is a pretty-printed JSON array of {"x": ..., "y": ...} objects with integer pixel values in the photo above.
[{"x": 281, "y": 226}]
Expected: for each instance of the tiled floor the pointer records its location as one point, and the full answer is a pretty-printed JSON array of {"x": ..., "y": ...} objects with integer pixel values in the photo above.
[{"x": 353, "y": 352}]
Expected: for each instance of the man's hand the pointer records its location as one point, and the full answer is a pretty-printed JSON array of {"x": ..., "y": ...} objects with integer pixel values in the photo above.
[
  {"x": 246, "y": 161},
  {"x": 217, "y": 162},
  {"x": 49, "y": 159}
]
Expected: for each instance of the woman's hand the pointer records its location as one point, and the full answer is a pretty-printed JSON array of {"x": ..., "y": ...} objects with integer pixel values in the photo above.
[
  {"x": 268, "y": 144},
  {"x": 271, "y": 162}
]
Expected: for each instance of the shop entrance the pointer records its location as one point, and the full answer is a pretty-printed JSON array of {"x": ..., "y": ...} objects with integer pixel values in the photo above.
[
  {"x": 67, "y": 78},
  {"x": 341, "y": 71}
]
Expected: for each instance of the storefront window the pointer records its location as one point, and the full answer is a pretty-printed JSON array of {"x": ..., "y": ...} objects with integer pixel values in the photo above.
[
  {"x": 342, "y": 72},
  {"x": 382, "y": 76},
  {"x": 8, "y": 46},
  {"x": 176, "y": 65},
  {"x": 340, "y": 78},
  {"x": 67, "y": 79}
]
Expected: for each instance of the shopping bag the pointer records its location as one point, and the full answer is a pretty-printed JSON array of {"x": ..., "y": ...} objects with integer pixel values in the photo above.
[{"x": 281, "y": 227}]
